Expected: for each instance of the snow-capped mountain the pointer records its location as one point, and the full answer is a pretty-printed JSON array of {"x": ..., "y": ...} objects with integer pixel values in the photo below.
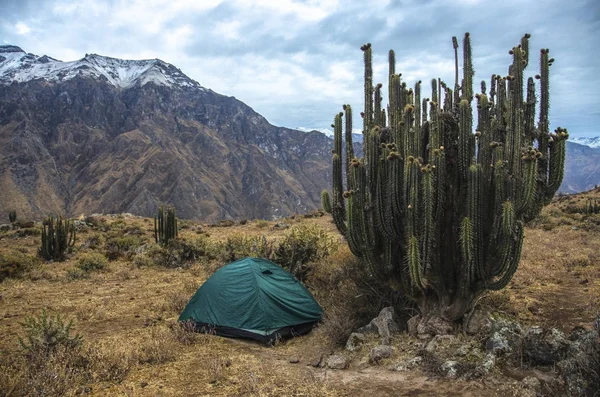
[
  {"x": 17, "y": 65},
  {"x": 593, "y": 142}
]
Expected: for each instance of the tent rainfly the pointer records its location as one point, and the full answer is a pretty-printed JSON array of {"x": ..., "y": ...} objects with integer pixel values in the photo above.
[{"x": 253, "y": 298}]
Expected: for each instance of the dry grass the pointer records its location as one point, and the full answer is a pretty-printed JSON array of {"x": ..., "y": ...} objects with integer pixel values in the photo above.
[{"x": 133, "y": 346}]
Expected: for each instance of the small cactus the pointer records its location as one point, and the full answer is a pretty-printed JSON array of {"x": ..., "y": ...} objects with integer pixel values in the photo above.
[
  {"x": 165, "y": 225},
  {"x": 325, "y": 201},
  {"x": 12, "y": 216}
]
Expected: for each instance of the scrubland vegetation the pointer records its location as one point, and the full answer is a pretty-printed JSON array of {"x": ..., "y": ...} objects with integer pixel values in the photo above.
[{"x": 103, "y": 322}]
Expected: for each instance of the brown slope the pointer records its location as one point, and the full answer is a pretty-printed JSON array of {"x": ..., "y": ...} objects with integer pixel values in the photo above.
[{"x": 84, "y": 146}]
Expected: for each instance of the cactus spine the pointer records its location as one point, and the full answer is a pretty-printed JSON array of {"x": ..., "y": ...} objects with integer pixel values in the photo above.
[
  {"x": 433, "y": 208},
  {"x": 165, "y": 225},
  {"x": 58, "y": 235}
]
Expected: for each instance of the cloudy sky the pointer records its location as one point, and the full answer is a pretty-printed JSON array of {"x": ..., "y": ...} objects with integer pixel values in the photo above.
[{"x": 297, "y": 61}]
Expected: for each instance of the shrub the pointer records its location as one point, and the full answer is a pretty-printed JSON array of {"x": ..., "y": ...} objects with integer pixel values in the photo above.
[
  {"x": 45, "y": 333},
  {"x": 180, "y": 252},
  {"x": 239, "y": 246},
  {"x": 91, "y": 261},
  {"x": 125, "y": 246},
  {"x": 301, "y": 246},
  {"x": 15, "y": 264}
]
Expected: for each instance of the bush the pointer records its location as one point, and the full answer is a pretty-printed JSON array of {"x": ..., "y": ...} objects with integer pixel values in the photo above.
[
  {"x": 125, "y": 246},
  {"x": 15, "y": 264},
  {"x": 301, "y": 247},
  {"x": 180, "y": 252},
  {"x": 46, "y": 333},
  {"x": 238, "y": 246},
  {"x": 92, "y": 261}
]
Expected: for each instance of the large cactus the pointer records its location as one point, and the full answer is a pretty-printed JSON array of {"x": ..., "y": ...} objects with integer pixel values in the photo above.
[
  {"x": 437, "y": 208},
  {"x": 165, "y": 225},
  {"x": 58, "y": 235}
]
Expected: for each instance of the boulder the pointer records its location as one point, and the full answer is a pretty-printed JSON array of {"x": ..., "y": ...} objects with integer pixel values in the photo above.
[
  {"x": 479, "y": 322},
  {"x": 413, "y": 322},
  {"x": 450, "y": 369},
  {"x": 506, "y": 336},
  {"x": 378, "y": 353},
  {"x": 384, "y": 324},
  {"x": 544, "y": 347},
  {"x": 338, "y": 361},
  {"x": 434, "y": 325},
  {"x": 355, "y": 340},
  {"x": 580, "y": 370}
]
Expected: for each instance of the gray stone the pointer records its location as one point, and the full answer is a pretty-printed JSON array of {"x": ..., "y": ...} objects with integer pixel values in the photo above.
[
  {"x": 438, "y": 342},
  {"x": 407, "y": 365},
  {"x": 497, "y": 344},
  {"x": 531, "y": 383},
  {"x": 544, "y": 347},
  {"x": 338, "y": 361},
  {"x": 479, "y": 322},
  {"x": 378, "y": 353},
  {"x": 580, "y": 368},
  {"x": 450, "y": 369},
  {"x": 413, "y": 322},
  {"x": 384, "y": 324},
  {"x": 355, "y": 340},
  {"x": 434, "y": 326}
]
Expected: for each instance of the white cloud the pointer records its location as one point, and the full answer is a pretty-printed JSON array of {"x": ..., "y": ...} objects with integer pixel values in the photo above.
[{"x": 21, "y": 28}]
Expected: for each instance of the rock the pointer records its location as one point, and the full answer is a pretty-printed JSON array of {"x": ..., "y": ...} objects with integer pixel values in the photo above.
[
  {"x": 281, "y": 226},
  {"x": 5, "y": 227},
  {"x": 413, "y": 322},
  {"x": 531, "y": 383},
  {"x": 318, "y": 362},
  {"x": 384, "y": 324},
  {"x": 544, "y": 347},
  {"x": 338, "y": 361},
  {"x": 506, "y": 336},
  {"x": 25, "y": 224},
  {"x": 488, "y": 363},
  {"x": 479, "y": 322},
  {"x": 434, "y": 325},
  {"x": 294, "y": 360},
  {"x": 497, "y": 344},
  {"x": 438, "y": 342},
  {"x": 581, "y": 368},
  {"x": 355, "y": 340},
  {"x": 408, "y": 364},
  {"x": 378, "y": 353},
  {"x": 450, "y": 369}
]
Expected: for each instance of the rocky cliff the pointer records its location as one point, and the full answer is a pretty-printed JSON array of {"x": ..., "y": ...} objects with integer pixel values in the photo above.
[{"x": 107, "y": 135}]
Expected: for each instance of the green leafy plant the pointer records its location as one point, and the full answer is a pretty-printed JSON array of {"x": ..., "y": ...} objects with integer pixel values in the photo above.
[
  {"x": 58, "y": 236},
  {"x": 433, "y": 209},
  {"x": 44, "y": 333},
  {"x": 92, "y": 261}
]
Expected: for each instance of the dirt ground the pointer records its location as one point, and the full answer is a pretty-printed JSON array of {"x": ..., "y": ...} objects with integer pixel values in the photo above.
[{"x": 127, "y": 311}]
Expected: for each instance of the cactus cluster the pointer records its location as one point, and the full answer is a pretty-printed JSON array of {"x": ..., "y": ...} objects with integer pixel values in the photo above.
[
  {"x": 437, "y": 204},
  {"x": 58, "y": 235},
  {"x": 165, "y": 225},
  {"x": 591, "y": 207}
]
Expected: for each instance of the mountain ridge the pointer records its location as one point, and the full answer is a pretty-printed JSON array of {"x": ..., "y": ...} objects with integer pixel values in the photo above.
[{"x": 81, "y": 142}]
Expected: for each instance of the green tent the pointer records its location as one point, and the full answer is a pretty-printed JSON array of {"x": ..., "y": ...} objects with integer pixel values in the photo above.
[{"x": 253, "y": 298}]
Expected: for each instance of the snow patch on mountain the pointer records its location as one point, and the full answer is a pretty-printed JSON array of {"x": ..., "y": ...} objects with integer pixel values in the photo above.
[
  {"x": 18, "y": 66},
  {"x": 593, "y": 142}
]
